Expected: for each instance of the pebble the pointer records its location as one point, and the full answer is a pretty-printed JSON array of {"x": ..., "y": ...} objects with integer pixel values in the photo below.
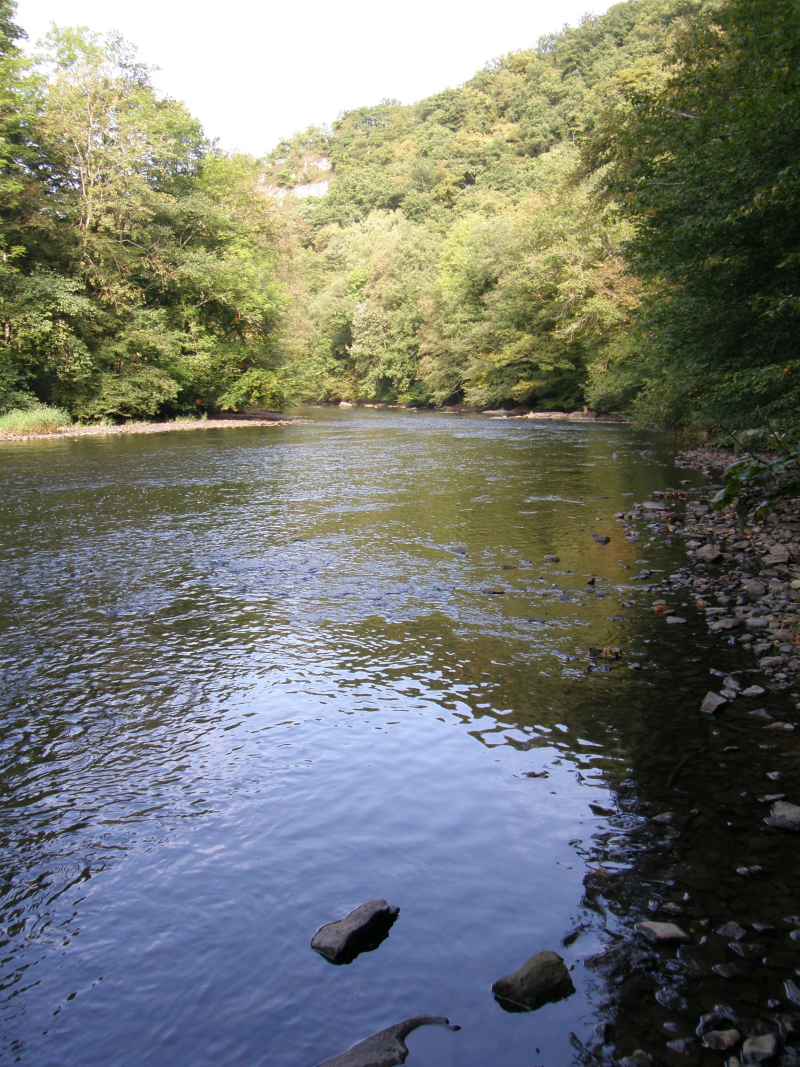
[
  {"x": 784, "y": 816},
  {"x": 722, "y": 1040}
]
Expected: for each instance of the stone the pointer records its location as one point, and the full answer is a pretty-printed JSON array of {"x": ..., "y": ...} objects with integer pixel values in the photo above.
[
  {"x": 784, "y": 816},
  {"x": 601, "y": 539},
  {"x": 722, "y": 1040},
  {"x": 708, "y": 554},
  {"x": 777, "y": 555},
  {"x": 662, "y": 933},
  {"x": 754, "y": 691},
  {"x": 732, "y": 930},
  {"x": 674, "y": 620},
  {"x": 682, "y": 1045},
  {"x": 541, "y": 979},
  {"x": 639, "y": 1058},
  {"x": 387, "y": 1047},
  {"x": 712, "y": 702},
  {"x": 757, "y": 622},
  {"x": 754, "y": 589},
  {"x": 759, "y": 1049},
  {"x": 792, "y": 991},
  {"x": 654, "y": 505},
  {"x": 363, "y": 929},
  {"x": 550, "y": 558}
]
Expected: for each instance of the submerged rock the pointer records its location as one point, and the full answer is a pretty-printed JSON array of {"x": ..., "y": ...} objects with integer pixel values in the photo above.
[
  {"x": 722, "y": 1040},
  {"x": 784, "y": 816},
  {"x": 387, "y": 1047},
  {"x": 712, "y": 702},
  {"x": 363, "y": 929},
  {"x": 541, "y": 979}
]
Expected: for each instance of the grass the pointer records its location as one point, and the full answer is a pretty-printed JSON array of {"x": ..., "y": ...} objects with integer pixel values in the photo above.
[{"x": 38, "y": 419}]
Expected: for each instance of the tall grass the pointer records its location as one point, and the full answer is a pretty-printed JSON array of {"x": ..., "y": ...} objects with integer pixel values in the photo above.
[{"x": 38, "y": 419}]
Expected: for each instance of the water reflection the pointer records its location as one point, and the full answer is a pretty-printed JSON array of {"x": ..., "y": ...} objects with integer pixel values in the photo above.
[{"x": 244, "y": 674}]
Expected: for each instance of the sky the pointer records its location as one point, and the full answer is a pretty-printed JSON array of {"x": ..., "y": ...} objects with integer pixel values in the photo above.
[{"x": 255, "y": 71}]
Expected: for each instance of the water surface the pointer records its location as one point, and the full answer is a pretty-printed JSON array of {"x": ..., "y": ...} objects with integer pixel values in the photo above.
[{"x": 251, "y": 678}]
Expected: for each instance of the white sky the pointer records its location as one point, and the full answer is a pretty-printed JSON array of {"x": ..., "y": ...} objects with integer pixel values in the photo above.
[{"x": 254, "y": 71}]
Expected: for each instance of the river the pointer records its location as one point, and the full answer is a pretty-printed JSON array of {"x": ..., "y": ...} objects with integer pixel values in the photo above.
[{"x": 252, "y": 678}]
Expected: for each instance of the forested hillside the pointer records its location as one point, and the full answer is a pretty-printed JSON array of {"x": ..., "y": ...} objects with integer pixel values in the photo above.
[{"x": 607, "y": 218}]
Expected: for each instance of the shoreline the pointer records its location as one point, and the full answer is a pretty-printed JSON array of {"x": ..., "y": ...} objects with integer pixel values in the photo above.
[
  {"x": 146, "y": 427},
  {"x": 707, "y": 959}
]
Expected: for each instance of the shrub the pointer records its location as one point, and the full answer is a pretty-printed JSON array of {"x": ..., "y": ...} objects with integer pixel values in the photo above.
[{"x": 39, "y": 418}]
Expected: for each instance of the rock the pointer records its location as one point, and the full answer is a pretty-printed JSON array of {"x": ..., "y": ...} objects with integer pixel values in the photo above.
[
  {"x": 759, "y": 1049},
  {"x": 754, "y": 691},
  {"x": 387, "y": 1047},
  {"x": 784, "y": 816},
  {"x": 601, "y": 539},
  {"x": 722, "y": 1040},
  {"x": 363, "y": 929},
  {"x": 712, "y": 702},
  {"x": 653, "y": 505},
  {"x": 777, "y": 555},
  {"x": 732, "y": 930},
  {"x": 662, "y": 933},
  {"x": 550, "y": 558},
  {"x": 757, "y": 622},
  {"x": 541, "y": 979},
  {"x": 720, "y": 1013},
  {"x": 674, "y": 620},
  {"x": 754, "y": 589},
  {"x": 682, "y": 1045},
  {"x": 639, "y": 1058},
  {"x": 708, "y": 554},
  {"x": 664, "y": 819},
  {"x": 792, "y": 991}
]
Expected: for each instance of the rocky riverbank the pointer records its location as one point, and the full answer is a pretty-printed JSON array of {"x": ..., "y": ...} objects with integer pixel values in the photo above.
[
  {"x": 148, "y": 427},
  {"x": 696, "y": 876},
  {"x": 743, "y": 573}
]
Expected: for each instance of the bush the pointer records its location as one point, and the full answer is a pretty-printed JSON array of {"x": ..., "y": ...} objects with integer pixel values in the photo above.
[
  {"x": 39, "y": 418},
  {"x": 255, "y": 389},
  {"x": 140, "y": 394}
]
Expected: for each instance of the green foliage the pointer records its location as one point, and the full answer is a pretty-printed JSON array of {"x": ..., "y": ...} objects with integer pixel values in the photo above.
[
  {"x": 704, "y": 161},
  {"x": 259, "y": 389},
  {"x": 757, "y": 479},
  {"x": 36, "y": 418}
]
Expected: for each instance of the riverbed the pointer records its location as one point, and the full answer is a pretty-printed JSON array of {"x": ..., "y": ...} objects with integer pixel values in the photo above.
[{"x": 253, "y": 679}]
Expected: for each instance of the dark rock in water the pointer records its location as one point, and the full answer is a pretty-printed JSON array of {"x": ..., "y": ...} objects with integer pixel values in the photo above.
[
  {"x": 541, "y": 979},
  {"x": 732, "y": 930},
  {"x": 682, "y": 1045},
  {"x": 712, "y": 702},
  {"x": 720, "y": 1013},
  {"x": 784, "y": 816},
  {"x": 360, "y": 931},
  {"x": 639, "y": 1058},
  {"x": 792, "y": 991},
  {"x": 387, "y": 1047}
]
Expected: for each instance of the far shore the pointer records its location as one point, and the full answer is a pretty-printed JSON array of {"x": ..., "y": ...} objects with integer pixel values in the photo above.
[{"x": 148, "y": 427}]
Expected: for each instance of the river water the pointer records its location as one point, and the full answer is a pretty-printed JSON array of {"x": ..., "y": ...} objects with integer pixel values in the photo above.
[{"x": 252, "y": 678}]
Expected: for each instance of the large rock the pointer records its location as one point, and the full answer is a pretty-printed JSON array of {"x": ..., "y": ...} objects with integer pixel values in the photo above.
[
  {"x": 363, "y": 929},
  {"x": 387, "y": 1047},
  {"x": 784, "y": 816},
  {"x": 543, "y": 978}
]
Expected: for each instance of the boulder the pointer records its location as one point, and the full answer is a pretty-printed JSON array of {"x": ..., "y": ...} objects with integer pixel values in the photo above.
[
  {"x": 543, "y": 978},
  {"x": 387, "y": 1047},
  {"x": 363, "y": 929}
]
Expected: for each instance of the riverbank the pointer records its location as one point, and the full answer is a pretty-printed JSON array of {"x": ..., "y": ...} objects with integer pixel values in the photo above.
[
  {"x": 743, "y": 573},
  {"x": 700, "y": 872},
  {"x": 149, "y": 427}
]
